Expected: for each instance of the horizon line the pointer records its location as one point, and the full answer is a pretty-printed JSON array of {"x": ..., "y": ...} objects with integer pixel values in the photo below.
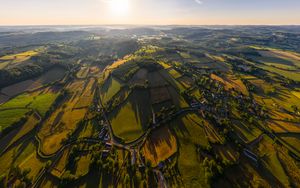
[{"x": 70, "y": 25}]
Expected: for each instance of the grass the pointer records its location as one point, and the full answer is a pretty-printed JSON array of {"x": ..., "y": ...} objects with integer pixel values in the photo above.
[
  {"x": 293, "y": 139},
  {"x": 190, "y": 130},
  {"x": 246, "y": 132},
  {"x": 192, "y": 172},
  {"x": 33, "y": 163},
  {"x": 174, "y": 73},
  {"x": 6, "y": 160},
  {"x": 26, "y": 128},
  {"x": 296, "y": 93},
  {"x": 190, "y": 133},
  {"x": 130, "y": 120},
  {"x": 8, "y": 117},
  {"x": 89, "y": 130},
  {"x": 270, "y": 160},
  {"x": 283, "y": 127},
  {"x": 83, "y": 72},
  {"x": 288, "y": 74},
  {"x": 59, "y": 168},
  {"x": 63, "y": 121},
  {"x": 286, "y": 99},
  {"x": 231, "y": 82},
  {"x": 159, "y": 146},
  {"x": 43, "y": 102},
  {"x": 165, "y": 65},
  {"x": 37, "y": 101},
  {"x": 82, "y": 167},
  {"x": 18, "y": 58},
  {"x": 86, "y": 97},
  {"x": 110, "y": 89}
]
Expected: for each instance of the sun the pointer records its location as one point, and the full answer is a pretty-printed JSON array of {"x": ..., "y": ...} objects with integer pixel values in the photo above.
[{"x": 119, "y": 7}]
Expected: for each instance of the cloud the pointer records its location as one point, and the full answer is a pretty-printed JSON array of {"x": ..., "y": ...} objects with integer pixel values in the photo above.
[{"x": 199, "y": 2}]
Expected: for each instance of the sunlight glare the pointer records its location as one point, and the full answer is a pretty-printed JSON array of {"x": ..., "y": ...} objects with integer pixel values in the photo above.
[{"x": 119, "y": 7}]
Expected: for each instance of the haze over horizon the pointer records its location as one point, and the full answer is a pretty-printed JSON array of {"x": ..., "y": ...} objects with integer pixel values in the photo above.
[{"x": 150, "y": 12}]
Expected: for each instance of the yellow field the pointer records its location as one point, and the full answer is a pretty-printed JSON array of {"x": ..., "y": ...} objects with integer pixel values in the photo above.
[
  {"x": 62, "y": 122},
  {"x": 130, "y": 120},
  {"x": 159, "y": 146},
  {"x": 27, "y": 127},
  {"x": 59, "y": 168},
  {"x": 21, "y": 57},
  {"x": 32, "y": 162},
  {"x": 226, "y": 152},
  {"x": 86, "y": 97},
  {"x": 270, "y": 160},
  {"x": 263, "y": 85},
  {"x": 165, "y": 65},
  {"x": 174, "y": 73},
  {"x": 211, "y": 133},
  {"x": 284, "y": 127},
  {"x": 82, "y": 167},
  {"x": 231, "y": 83},
  {"x": 83, "y": 72},
  {"x": 110, "y": 88},
  {"x": 296, "y": 93}
]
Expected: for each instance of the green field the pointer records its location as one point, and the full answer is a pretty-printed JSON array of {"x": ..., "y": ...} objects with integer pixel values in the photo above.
[
  {"x": 41, "y": 102},
  {"x": 110, "y": 88},
  {"x": 8, "y": 117},
  {"x": 190, "y": 133},
  {"x": 130, "y": 120}
]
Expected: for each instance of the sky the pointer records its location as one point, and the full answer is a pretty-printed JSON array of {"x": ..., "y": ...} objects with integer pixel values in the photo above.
[{"x": 150, "y": 12}]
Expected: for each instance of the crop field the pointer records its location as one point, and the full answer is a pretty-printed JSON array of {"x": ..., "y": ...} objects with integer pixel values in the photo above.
[
  {"x": 10, "y": 60},
  {"x": 165, "y": 65},
  {"x": 262, "y": 87},
  {"x": 19, "y": 132},
  {"x": 63, "y": 121},
  {"x": 86, "y": 97},
  {"x": 110, "y": 88},
  {"x": 31, "y": 161},
  {"x": 140, "y": 77},
  {"x": 286, "y": 99},
  {"x": 159, "y": 94},
  {"x": 188, "y": 132},
  {"x": 125, "y": 71},
  {"x": 271, "y": 161},
  {"x": 175, "y": 74},
  {"x": 231, "y": 83},
  {"x": 156, "y": 80},
  {"x": 197, "y": 94},
  {"x": 150, "y": 107},
  {"x": 59, "y": 168},
  {"x": 189, "y": 129},
  {"x": 187, "y": 82},
  {"x": 159, "y": 146},
  {"x": 82, "y": 166},
  {"x": 39, "y": 100},
  {"x": 284, "y": 127},
  {"x": 246, "y": 132},
  {"x": 9, "y": 117},
  {"x": 130, "y": 120},
  {"x": 296, "y": 93},
  {"x": 7, "y": 159},
  {"x": 212, "y": 134},
  {"x": 177, "y": 85},
  {"x": 83, "y": 72},
  {"x": 293, "y": 75},
  {"x": 177, "y": 99},
  {"x": 52, "y": 75},
  {"x": 291, "y": 139},
  {"x": 226, "y": 152},
  {"x": 89, "y": 130}
]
